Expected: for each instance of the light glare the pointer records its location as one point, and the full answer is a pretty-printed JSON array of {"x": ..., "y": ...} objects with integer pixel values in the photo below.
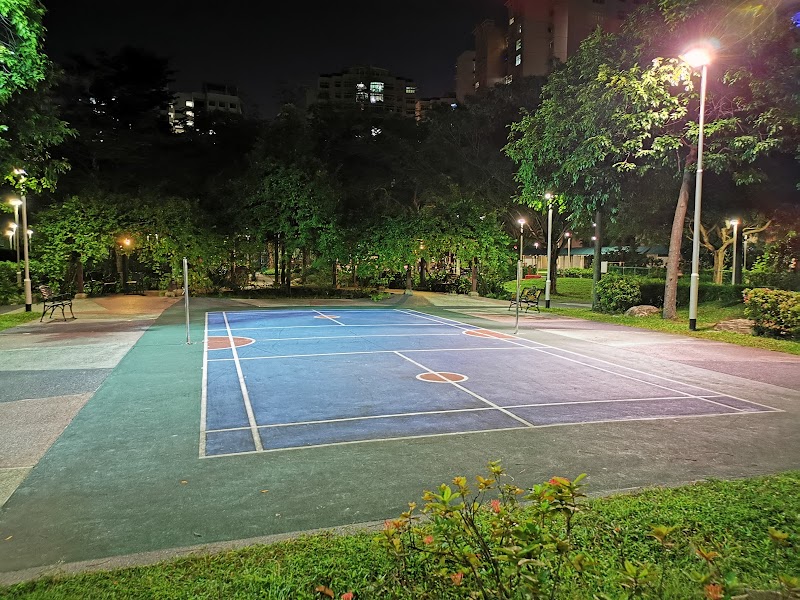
[{"x": 697, "y": 57}]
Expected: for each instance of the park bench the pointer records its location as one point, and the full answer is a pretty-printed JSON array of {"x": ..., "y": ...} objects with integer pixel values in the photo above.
[
  {"x": 52, "y": 301},
  {"x": 529, "y": 297}
]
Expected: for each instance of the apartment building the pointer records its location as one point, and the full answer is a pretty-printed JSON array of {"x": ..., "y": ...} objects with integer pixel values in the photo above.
[
  {"x": 366, "y": 87},
  {"x": 212, "y": 97},
  {"x": 538, "y": 35}
]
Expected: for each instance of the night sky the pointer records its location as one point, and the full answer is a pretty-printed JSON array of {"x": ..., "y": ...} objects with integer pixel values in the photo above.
[{"x": 263, "y": 45}]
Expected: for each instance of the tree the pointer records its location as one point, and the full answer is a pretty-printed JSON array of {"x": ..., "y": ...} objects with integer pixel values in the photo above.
[
  {"x": 29, "y": 123},
  {"x": 613, "y": 113}
]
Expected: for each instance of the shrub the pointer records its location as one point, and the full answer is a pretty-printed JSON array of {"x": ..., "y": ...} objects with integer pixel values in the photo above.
[
  {"x": 652, "y": 292},
  {"x": 781, "y": 281},
  {"x": 9, "y": 291},
  {"x": 616, "y": 293},
  {"x": 575, "y": 272},
  {"x": 775, "y": 312}
]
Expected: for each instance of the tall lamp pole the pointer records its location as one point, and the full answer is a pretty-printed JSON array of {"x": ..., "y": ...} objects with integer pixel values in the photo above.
[
  {"x": 519, "y": 274},
  {"x": 548, "y": 282},
  {"x": 568, "y": 235},
  {"x": 734, "y": 263},
  {"x": 27, "y": 281},
  {"x": 16, "y": 202},
  {"x": 697, "y": 57}
]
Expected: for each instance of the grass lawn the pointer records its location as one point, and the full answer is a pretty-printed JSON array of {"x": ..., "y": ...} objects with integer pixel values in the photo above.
[
  {"x": 9, "y": 320},
  {"x": 731, "y": 518},
  {"x": 708, "y": 315}
]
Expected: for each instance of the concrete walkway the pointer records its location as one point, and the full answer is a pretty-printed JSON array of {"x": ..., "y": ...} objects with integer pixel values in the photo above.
[
  {"x": 118, "y": 389},
  {"x": 49, "y": 370}
]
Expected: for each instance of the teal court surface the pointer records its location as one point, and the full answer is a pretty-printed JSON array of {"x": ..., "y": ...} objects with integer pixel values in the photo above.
[{"x": 286, "y": 379}]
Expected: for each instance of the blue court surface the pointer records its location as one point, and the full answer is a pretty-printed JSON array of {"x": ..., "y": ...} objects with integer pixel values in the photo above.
[{"x": 288, "y": 379}]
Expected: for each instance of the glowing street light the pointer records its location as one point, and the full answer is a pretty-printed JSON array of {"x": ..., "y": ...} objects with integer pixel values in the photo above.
[
  {"x": 568, "y": 235},
  {"x": 548, "y": 282},
  {"x": 698, "y": 56},
  {"x": 735, "y": 224},
  {"x": 519, "y": 274}
]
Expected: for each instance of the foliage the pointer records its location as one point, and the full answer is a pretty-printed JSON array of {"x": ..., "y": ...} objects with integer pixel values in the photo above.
[
  {"x": 782, "y": 256},
  {"x": 493, "y": 547},
  {"x": 781, "y": 281},
  {"x": 9, "y": 290},
  {"x": 731, "y": 518},
  {"x": 578, "y": 273},
  {"x": 775, "y": 312},
  {"x": 22, "y": 63},
  {"x": 652, "y": 292},
  {"x": 616, "y": 293}
]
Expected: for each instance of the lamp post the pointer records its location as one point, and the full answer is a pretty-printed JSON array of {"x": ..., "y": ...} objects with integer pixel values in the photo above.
[
  {"x": 745, "y": 239},
  {"x": 16, "y": 202},
  {"x": 548, "y": 282},
  {"x": 697, "y": 57},
  {"x": 519, "y": 274},
  {"x": 27, "y": 281},
  {"x": 734, "y": 263},
  {"x": 568, "y": 235}
]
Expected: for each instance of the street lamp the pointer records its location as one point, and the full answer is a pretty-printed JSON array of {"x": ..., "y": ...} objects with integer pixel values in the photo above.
[
  {"x": 548, "y": 282},
  {"x": 519, "y": 274},
  {"x": 16, "y": 202},
  {"x": 735, "y": 224},
  {"x": 568, "y": 235},
  {"x": 27, "y": 282},
  {"x": 697, "y": 57}
]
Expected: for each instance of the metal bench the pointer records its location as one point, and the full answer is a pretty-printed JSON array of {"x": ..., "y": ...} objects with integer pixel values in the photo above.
[
  {"x": 53, "y": 301},
  {"x": 529, "y": 297}
]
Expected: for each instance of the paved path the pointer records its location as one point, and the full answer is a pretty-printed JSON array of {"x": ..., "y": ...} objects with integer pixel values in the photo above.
[{"x": 124, "y": 478}]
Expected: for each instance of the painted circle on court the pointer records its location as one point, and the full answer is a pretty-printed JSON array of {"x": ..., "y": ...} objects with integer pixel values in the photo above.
[
  {"x": 327, "y": 317},
  {"x": 442, "y": 377},
  {"x": 223, "y": 342},
  {"x": 488, "y": 333}
]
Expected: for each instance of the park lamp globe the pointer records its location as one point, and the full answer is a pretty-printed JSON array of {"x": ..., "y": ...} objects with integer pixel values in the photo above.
[{"x": 697, "y": 56}]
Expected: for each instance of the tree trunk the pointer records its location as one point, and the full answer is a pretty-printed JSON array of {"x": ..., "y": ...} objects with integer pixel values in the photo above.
[
  {"x": 276, "y": 255},
  {"x": 288, "y": 263},
  {"x": 305, "y": 266},
  {"x": 423, "y": 268},
  {"x": 675, "y": 240},
  {"x": 78, "y": 275},
  {"x": 335, "y": 274},
  {"x": 475, "y": 275},
  {"x": 719, "y": 263},
  {"x": 409, "y": 280},
  {"x": 554, "y": 270}
]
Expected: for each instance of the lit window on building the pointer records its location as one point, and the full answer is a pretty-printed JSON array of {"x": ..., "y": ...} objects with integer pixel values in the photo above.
[
  {"x": 410, "y": 89},
  {"x": 361, "y": 93},
  {"x": 477, "y": 84},
  {"x": 519, "y": 29},
  {"x": 189, "y": 104},
  {"x": 519, "y": 45},
  {"x": 376, "y": 131},
  {"x": 511, "y": 21},
  {"x": 508, "y": 79},
  {"x": 376, "y": 87},
  {"x": 189, "y": 113},
  {"x": 518, "y": 60},
  {"x": 375, "y": 98}
]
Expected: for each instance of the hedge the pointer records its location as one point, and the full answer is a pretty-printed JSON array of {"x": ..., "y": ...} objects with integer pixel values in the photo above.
[
  {"x": 776, "y": 313},
  {"x": 652, "y": 291}
]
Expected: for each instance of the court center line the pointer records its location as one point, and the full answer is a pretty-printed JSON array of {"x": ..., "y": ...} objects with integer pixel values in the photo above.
[
  {"x": 204, "y": 394},
  {"x": 243, "y": 386},
  {"x": 324, "y": 316},
  {"x": 356, "y": 352},
  {"x": 459, "y": 410},
  {"x": 470, "y": 392}
]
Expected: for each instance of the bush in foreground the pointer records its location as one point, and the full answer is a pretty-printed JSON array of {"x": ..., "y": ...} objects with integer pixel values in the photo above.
[{"x": 775, "y": 313}]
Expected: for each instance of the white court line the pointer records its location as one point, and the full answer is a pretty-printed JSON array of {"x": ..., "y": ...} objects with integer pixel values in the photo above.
[
  {"x": 245, "y": 394},
  {"x": 355, "y": 352},
  {"x": 470, "y": 392},
  {"x": 324, "y": 316},
  {"x": 454, "y": 410},
  {"x": 328, "y": 326},
  {"x": 346, "y": 337},
  {"x": 432, "y": 435},
  {"x": 351, "y": 442},
  {"x": 204, "y": 394},
  {"x": 552, "y": 349}
]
